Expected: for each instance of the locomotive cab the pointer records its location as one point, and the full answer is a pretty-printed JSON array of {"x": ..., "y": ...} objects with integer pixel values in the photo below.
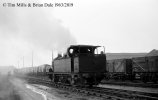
[
  {"x": 76, "y": 50},
  {"x": 87, "y": 58}
]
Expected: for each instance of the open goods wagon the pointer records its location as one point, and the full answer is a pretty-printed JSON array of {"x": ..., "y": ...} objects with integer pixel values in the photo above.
[
  {"x": 119, "y": 69},
  {"x": 146, "y": 68},
  {"x": 138, "y": 68}
]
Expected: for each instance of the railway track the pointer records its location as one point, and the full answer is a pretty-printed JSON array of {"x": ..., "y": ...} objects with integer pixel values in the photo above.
[
  {"x": 107, "y": 93},
  {"x": 137, "y": 84}
]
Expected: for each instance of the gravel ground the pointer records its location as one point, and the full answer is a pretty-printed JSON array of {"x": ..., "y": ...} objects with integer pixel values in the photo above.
[
  {"x": 56, "y": 94},
  {"x": 25, "y": 93},
  {"x": 7, "y": 90},
  {"x": 12, "y": 88}
]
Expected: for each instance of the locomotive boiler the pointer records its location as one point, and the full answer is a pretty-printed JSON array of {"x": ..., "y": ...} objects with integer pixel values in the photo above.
[{"x": 81, "y": 65}]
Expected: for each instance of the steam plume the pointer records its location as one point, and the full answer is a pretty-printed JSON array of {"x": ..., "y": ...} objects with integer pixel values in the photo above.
[{"x": 23, "y": 28}]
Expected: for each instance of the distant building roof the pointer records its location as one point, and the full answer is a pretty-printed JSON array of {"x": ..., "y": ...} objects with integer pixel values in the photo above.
[{"x": 154, "y": 52}]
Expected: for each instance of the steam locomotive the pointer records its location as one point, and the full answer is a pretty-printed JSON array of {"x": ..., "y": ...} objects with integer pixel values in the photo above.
[{"x": 81, "y": 65}]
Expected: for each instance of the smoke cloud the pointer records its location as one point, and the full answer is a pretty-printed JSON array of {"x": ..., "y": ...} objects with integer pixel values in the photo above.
[
  {"x": 25, "y": 29},
  {"x": 35, "y": 25}
]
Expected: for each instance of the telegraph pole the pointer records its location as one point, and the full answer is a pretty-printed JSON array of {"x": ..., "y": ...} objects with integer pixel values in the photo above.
[
  {"x": 52, "y": 55},
  {"x": 32, "y": 58},
  {"x": 23, "y": 61},
  {"x": 18, "y": 64},
  {"x": 52, "y": 61}
]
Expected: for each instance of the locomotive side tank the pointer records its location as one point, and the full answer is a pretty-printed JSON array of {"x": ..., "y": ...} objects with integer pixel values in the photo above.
[{"x": 82, "y": 65}]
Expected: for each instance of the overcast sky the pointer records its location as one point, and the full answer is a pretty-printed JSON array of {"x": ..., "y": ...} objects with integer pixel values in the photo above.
[{"x": 119, "y": 25}]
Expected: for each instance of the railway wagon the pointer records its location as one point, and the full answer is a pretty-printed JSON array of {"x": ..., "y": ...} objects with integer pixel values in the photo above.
[
  {"x": 39, "y": 71},
  {"x": 82, "y": 65},
  {"x": 24, "y": 71},
  {"x": 119, "y": 69},
  {"x": 146, "y": 68},
  {"x": 30, "y": 70},
  {"x": 43, "y": 69}
]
